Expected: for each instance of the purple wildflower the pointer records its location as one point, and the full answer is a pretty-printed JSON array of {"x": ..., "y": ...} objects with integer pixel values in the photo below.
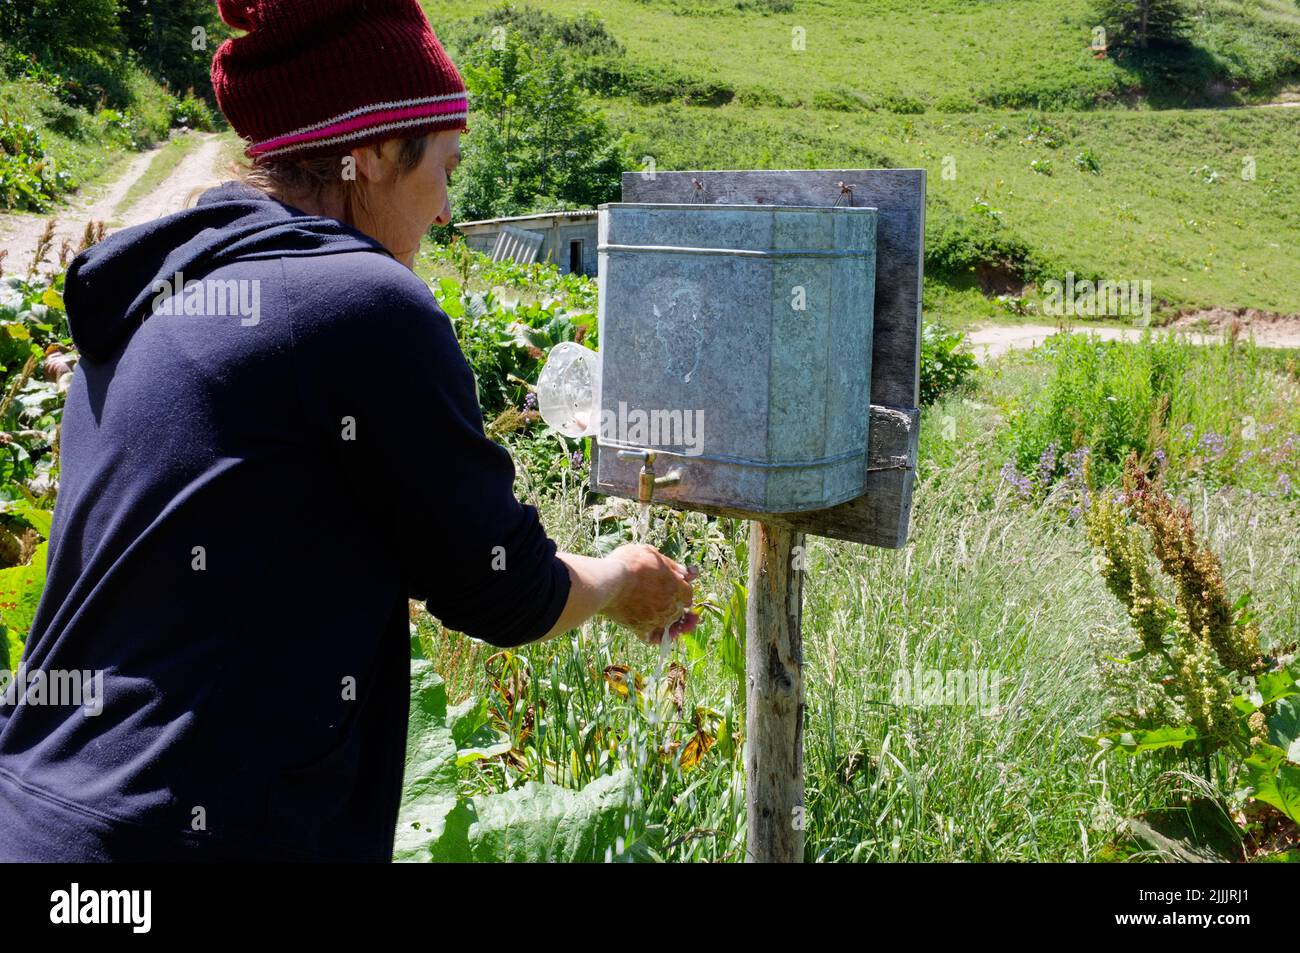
[
  {"x": 1019, "y": 482},
  {"x": 1047, "y": 464},
  {"x": 576, "y": 461},
  {"x": 1284, "y": 484},
  {"x": 1212, "y": 444},
  {"x": 530, "y": 402}
]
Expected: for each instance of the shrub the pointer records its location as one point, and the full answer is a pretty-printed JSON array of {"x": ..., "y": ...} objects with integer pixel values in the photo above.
[
  {"x": 1197, "y": 686},
  {"x": 762, "y": 96},
  {"x": 954, "y": 103},
  {"x": 1220, "y": 412},
  {"x": 978, "y": 243},
  {"x": 651, "y": 84},
  {"x": 29, "y": 179},
  {"x": 190, "y": 112},
  {"x": 902, "y": 104},
  {"x": 584, "y": 36},
  {"x": 945, "y": 367},
  {"x": 506, "y": 342},
  {"x": 123, "y": 128},
  {"x": 1138, "y": 24},
  {"x": 1086, "y": 161},
  {"x": 840, "y": 98}
]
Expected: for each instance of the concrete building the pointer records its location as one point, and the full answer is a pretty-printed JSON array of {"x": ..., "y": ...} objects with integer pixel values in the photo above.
[{"x": 566, "y": 238}]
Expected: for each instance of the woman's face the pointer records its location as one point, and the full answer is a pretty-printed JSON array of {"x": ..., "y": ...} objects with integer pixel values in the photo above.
[{"x": 403, "y": 205}]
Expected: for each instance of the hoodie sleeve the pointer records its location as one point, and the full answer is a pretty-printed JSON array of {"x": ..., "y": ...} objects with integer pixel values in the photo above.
[{"x": 384, "y": 379}]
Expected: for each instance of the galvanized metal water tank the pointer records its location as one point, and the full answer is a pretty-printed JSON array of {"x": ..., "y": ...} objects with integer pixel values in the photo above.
[{"x": 735, "y": 344}]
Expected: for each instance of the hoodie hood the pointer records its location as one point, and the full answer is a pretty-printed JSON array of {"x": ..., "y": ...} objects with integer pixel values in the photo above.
[{"x": 110, "y": 286}]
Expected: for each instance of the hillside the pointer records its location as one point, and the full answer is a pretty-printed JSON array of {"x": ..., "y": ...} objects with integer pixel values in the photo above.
[
  {"x": 951, "y": 55},
  {"x": 1090, "y": 172}
]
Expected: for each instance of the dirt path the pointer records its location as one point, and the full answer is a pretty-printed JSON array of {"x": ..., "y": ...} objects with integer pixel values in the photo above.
[
  {"x": 199, "y": 169},
  {"x": 995, "y": 340}
]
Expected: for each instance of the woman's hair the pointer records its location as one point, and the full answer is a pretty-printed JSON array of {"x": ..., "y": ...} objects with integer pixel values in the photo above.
[{"x": 322, "y": 177}]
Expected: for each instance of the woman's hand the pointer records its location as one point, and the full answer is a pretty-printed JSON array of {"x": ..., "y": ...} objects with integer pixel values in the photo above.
[
  {"x": 636, "y": 586},
  {"x": 656, "y": 593}
]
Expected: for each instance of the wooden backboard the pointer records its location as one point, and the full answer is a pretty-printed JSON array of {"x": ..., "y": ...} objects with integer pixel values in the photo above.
[{"x": 881, "y": 516}]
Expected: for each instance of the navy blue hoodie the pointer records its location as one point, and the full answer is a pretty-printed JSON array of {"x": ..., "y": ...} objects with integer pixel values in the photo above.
[{"x": 247, "y": 501}]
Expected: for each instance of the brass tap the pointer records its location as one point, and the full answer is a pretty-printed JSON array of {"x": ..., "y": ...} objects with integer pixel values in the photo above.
[{"x": 646, "y": 480}]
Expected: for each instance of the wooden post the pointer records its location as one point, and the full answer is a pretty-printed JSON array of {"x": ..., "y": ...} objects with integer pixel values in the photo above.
[{"x": 775, "y": 706}]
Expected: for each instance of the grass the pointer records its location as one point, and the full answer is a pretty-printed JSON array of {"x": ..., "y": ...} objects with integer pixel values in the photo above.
[
  {"x": 76, "y": 142},
  {"x": 1198, "y": 201},
  {"x": 986, "y": 583},
  {"x": 1227, "y": 412},
  {"x": 162, "y": 165},
  {"x": 1170, "y": 205},
  {"x": 946, "y": 54}
]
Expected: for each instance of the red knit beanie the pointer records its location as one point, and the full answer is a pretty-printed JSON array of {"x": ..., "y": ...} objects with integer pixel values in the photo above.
[{"x": 320, "y": 77}]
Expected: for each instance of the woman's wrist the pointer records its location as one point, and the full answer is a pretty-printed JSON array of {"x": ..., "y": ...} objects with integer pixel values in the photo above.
[{"x": 595, "y": 586}]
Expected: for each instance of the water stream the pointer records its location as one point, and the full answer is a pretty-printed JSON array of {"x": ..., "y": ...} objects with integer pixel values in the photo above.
[{"x": 640, "y": 532}]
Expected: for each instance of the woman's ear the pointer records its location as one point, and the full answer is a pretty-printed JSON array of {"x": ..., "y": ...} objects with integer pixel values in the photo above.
[{"x": 370, "y": 162}]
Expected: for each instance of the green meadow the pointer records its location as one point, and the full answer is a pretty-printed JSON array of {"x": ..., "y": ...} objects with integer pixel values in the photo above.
[{"x": 1013, "y": 116}]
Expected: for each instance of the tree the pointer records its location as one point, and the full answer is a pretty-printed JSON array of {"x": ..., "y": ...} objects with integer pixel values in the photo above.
[
  {"x": 45, "y": 27},
  {"x": 536, "y": 143},
  {"x": 175, "y": 39},
  {"x": 1138, "y": 24}
]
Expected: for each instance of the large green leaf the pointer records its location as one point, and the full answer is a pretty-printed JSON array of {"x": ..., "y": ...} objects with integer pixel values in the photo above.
[
  {"x": 429, "y": 788},
  {"x": 1268, "y": 688},
  {"x": 35, "y": 517},
  {"x": 536, "y": 822},
  {"x": 1274, "y": 780},
  {"x": 1132, "y": 742},
  {"x": 544, "y": 822},
  {"x": 1284, "y": 728},
  {"x": 20, "y": 594}
]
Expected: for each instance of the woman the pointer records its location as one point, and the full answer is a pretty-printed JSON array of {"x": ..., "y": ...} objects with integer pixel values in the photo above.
[{"x": 272, "y": 442}]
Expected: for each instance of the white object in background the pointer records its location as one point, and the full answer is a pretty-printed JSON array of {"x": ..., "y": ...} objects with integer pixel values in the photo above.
[{"x": 568, "y": 390}]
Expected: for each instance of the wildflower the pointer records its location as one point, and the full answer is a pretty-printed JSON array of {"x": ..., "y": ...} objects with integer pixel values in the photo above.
[
  {"x": 1206, "y": 692},
  {"x": 530, "y": 402},
  {"x": 1196, "y": 572},
  {"x": 1020, "y": 483},
  {"x": 1121, "y": 559},
  {"x": 1047, "y": 464},
  {"x": 1284, "y": 484},
  {"x": 1212, "y": 444},
  {"x": 576, "y": 460},
  {"x": 1258, "y": 728}
]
